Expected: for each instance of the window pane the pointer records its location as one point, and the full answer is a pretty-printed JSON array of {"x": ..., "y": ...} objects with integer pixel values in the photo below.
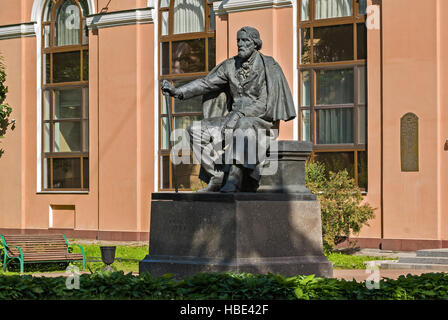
[
  {"x": 47, "y": 105},
  {"x": 165, "y": 142},
  {"x": 85, "y": 67},
  {"x": 85, "y": 97},
  {"x": 68, "y": 104},
  {"x": 85, "y": 172},
  {"x": 306, "y": 88},
  {"x": 306, "y": 125},
  {"x": 85, "y": 33},
  {"x": 66, "y": 173},
  {"x": 212, "y": 25},
  {"x": 305, "y": 10},
  {"x": 67, "y": 136},
  {"x": 68, "y": 22},
  {"x": 334, "y": 126},
  {"x": 48, "y": 10},
  {"x": 362, "y": 40},
  {"x": 184, "y": 122},
  {"x": 187, "y": 176},
  {"x": 84, "y": 7},
  {"x": 335, "y": 86},
  {"x": 189, "y": 16},
  {"x": 164, "y": 104},
  {"x": 47, "y": 137},
  {"x": 165, "y": 23},
  {"x": 333, "y": 43},
  {"x": 362, "y": 125},
  {"x": 165, "y": 172},
  {"x": 337, "y": 161},
  {"x": 66, "y": 67},
  {"x": 165, "y": 57},
  {"x": 188, "y": 56},
  {"x": 362, "y": 6},
  {"x": 211, "y": 53},
  {"x": 164, "y": 3},
  {"x": 362, "y": 169},
  {"x": 85, "y": 136},
  {"x": 362, "y": 84},
  {"x": 47, "y": 68},
  {"x": 325, "y": 9},
  {"x": 46, "y": 36},
  {"x": 190, "y": 105},
  {"x": 46, "y": 176},
  {"x": 305, "y": 46}
]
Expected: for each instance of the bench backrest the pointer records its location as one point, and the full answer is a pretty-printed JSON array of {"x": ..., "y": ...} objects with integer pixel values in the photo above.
[{"x": 36, "y": 243}]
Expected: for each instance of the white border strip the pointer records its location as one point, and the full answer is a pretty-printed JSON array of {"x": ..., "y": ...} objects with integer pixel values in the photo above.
[
  {"x": 120, "y": 18},
  {"x": 17, "y": 31},
  {"x": 224, "y": 7}
]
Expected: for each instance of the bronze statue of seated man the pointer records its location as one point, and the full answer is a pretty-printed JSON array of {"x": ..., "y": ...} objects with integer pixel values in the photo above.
[{"x": 245, "y": 92}]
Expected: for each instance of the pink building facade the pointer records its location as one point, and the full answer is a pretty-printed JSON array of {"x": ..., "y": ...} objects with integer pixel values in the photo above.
[{"x": 369, "y": 80}]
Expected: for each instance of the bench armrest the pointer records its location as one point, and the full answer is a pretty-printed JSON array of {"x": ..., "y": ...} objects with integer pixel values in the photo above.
[
  {"x": 17, "y": 247},
  {"x": 76, "y": 245}
]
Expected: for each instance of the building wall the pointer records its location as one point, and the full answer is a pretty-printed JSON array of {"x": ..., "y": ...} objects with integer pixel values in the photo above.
[{"x": 407, "y": 72}]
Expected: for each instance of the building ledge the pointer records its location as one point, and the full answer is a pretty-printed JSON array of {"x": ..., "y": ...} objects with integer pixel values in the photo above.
[
  {"x": 15, "y": 31},
  {"x": 225, "y": 7},
  {"x": 120, "y": 18}
]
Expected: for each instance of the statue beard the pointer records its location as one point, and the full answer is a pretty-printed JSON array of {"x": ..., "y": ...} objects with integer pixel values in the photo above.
[{"x": 244, "y": 53}]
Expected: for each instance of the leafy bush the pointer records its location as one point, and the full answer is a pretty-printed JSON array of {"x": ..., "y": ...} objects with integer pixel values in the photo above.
[
  {"x": 215, "y": 286},
  {"x": 340, "y": 199},
  {"x": 5, "y": 109}
]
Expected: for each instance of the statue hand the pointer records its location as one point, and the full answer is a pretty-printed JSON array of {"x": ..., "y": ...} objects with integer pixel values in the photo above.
[{"x": 169, "y": 89}]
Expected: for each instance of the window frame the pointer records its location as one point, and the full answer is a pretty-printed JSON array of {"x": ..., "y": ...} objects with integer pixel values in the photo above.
[
  {"x": 52, "y": 87},
  {"x": 208, "y": 34},
  {"x": 313, "y": 67}
]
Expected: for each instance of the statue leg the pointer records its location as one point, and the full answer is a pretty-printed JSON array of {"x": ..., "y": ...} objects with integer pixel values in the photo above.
[{"x": 201, "y": 137}]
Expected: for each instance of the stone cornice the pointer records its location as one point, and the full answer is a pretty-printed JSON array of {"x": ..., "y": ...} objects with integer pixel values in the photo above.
[
  {"x": 17, "y": 31},
  {"x": 120, "y": 18},
  {"x": 224, "y": 7}
]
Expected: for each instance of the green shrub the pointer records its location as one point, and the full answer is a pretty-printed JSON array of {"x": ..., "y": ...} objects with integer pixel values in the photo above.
[
  {"x": 216, "y": 286},
  {"x": 340, "y": 199}
]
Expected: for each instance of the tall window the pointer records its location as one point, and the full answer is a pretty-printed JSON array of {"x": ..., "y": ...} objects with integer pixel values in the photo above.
[
  {"x": 187, "y": 51},
  {"x": 332, "y": 73},
  {"x": 65, "y": 95}
]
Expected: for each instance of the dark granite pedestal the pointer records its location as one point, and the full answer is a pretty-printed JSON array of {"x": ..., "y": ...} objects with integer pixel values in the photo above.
[{"x": 241, "y": 232}]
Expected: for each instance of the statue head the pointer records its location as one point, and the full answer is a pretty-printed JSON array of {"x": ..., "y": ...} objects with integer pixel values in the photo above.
[{"x": 248, "y": 40}]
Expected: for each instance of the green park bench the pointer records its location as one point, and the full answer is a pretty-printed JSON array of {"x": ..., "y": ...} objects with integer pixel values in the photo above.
[{"x": 38, "y": 249}]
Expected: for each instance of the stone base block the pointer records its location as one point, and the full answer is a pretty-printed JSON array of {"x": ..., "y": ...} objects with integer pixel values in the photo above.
[{"x": 242, "y": 232}]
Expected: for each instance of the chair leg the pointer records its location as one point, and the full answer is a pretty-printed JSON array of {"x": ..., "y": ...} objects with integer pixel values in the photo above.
[{"x": 21, "y": 266}]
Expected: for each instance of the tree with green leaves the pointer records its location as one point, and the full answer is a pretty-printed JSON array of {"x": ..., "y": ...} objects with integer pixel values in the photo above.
[
  {"x": 342, "y": 208},
  {"x": 5, "y": 109}
]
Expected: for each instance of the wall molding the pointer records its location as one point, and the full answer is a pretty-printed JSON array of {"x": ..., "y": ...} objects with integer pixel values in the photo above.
[
  {"x": 120, "y": 18},
  {"x": 17, "y": 31},
  {"x": 225, "y": 7}
]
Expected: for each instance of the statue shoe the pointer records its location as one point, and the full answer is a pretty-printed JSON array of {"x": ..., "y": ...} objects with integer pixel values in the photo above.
[
  {"x": 235, "y": 180},
  {"x": 213, "y": 186}
]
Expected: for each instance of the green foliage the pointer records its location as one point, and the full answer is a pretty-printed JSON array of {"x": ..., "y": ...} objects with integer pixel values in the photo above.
[
  {"x": 345, "y": 261},
  {"x": 5, "y": 109},
  {"x": 215, "y": 286},
  {"x": 343, "y": 213}
]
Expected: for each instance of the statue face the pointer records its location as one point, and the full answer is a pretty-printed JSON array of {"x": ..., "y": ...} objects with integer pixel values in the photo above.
[{"x": 246, "y": 46}]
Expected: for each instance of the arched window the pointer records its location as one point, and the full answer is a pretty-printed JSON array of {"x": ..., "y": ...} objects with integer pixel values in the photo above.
[
  {"x": 65, "y": 94},
  {"x": 187, "y": 51},
  {"x": 332, "y": 72}
]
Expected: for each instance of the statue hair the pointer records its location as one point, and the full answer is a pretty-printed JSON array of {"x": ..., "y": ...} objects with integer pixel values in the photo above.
[{"x": 254, "y": 35}]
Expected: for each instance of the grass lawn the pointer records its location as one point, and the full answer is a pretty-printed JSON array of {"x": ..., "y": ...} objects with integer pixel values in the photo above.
[{"x": 128, "y": 257}]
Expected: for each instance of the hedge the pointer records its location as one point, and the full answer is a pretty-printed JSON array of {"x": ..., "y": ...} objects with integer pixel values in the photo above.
[{"x": 215, "y": 286}]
